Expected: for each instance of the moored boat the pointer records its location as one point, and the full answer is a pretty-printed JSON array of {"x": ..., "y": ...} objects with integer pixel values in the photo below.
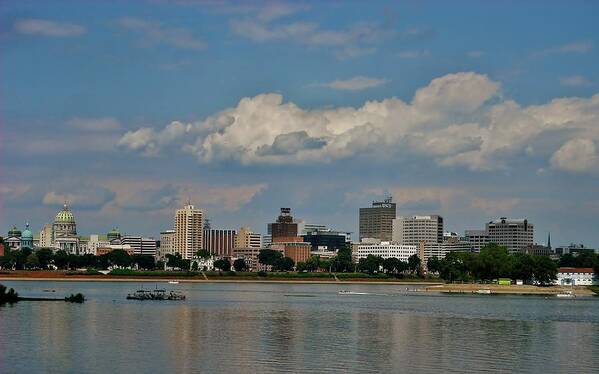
[{"x": 155, "y": 295}]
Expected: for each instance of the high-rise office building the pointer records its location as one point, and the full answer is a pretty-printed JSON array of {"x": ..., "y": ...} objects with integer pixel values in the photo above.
[
  {"x": 188, "y": 231},
  {"x": 377, "y": 221},
  {"x": 477, "y": 239},
  {"x": 514, "y": 234},
  {"x": 415, "y": 229},
  {"x": 285, "y": 227},
  {"x": 219, "y": 242}
]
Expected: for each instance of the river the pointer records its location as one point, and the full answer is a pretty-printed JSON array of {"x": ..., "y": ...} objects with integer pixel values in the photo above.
[{"x": 268, "y": 328}]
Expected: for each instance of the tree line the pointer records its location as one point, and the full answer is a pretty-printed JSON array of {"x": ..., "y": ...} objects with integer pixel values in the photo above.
[{"x": 494, "y": 262}]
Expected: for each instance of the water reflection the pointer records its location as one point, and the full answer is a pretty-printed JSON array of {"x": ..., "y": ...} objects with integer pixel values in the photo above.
[{"x": 263, "y": 328}]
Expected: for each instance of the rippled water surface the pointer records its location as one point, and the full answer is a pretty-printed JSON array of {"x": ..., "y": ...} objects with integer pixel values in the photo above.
[{"x": 248, "y": 328}]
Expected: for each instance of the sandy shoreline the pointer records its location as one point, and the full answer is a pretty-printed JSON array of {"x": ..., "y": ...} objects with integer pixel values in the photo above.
[
  {"x": 427, "y": 285},
  {"x": 510, "y": 290}
]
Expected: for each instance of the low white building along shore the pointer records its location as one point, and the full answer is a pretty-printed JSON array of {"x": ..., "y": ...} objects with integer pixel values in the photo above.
[
  {"x": 576, "y": 277},
  {"x": 384, "y": 250}
]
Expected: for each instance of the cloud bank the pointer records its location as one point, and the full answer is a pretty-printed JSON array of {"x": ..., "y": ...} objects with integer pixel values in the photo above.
[{"x": 457, "y": 120}]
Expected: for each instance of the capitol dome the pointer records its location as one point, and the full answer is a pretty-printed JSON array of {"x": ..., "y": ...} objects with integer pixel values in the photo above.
[
  {"x": 27, "y": 234},
  {"x": 65, "y": 216}
]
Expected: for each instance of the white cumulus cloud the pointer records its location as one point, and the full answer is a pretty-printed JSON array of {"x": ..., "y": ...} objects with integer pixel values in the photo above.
[
  {"x": 33, "y": 26},
  {"x": 576, "y": 155},
  {"x": 354, "y": 84},
  {"x": 457, "y": 120}
]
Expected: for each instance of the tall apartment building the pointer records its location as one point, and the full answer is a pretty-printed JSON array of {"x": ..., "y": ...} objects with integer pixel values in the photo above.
[
  {"x": 246, "y": 238},
  {"x": 219, "y": 242},
  {"x": 477, "y": 239},
  {"x": 377, "y": 221},
  {"x": 415, "y": 229},
  {"x": 514, "y": 234},
  {"x": 188, "y": 231}
]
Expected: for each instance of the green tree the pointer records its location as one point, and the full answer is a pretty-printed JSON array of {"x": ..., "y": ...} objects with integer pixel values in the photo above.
[
  {"x": 119, "y": 258},
  {"x": 325, "y": 264},
  {"x": 45, "y": 256},
  {"x": 146, "y": 262},
  {"x": 343, "y": 262},
  {"x": 240, "y": 265},
  {"x": 285, "y": 264},
  {"x": 61, "y": 259},
  {"x": 568, "y": 260},
  {"x": 312, "y": 263},
  {"x": 202, "y": 253},
  {"x": 522, "y": 266},
  {"x": 493, "y": 262},
  {"x": 269, "y": 257},
  {"x": 222, "y": 264},
  {"x": 545, "y": 270},
  {"x": 392, "y": 265},
  {"x": 433, "y": 264},
  {"x": 371, "y": 264},
  {"x": 414, "y": 263},
  {"x": 301, "y": 267},
  {"x": 32, "y": 261},
  {"x": 456, "y": 267}
]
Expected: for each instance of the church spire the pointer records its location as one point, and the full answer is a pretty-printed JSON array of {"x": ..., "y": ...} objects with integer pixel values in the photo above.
[{"x": 549, "y": 240}]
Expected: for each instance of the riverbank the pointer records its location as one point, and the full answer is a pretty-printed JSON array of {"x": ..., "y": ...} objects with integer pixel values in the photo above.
[
  {"x": 317, "y": 278},
  {"x": 511, "y": 289}
]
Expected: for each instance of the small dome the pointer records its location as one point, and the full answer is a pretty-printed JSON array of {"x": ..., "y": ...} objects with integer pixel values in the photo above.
[
  {"x": 27, "y": 234},
  {"x": 14, "y": 232},
  {"x": 65, "y": 216}
]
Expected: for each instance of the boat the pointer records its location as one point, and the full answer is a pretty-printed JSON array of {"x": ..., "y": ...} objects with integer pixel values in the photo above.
[
  {"x": 484, "y": 292},
  {"x": 155, "y": 295},
  {"x": 173, "y": 282},
  {"x": 566, "y": 295},
  {"x": 347, "y": 292}
]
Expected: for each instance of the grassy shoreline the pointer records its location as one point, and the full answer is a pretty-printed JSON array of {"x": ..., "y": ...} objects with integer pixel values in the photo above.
[{"x": 211, "y": 277}]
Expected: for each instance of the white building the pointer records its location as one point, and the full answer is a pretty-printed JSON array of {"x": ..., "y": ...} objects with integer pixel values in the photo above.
[
  {"x": 576, "y": 277},
  {"x": 140, "y": 245},
  {"x": 95, "y": 242},
  {"x": 384, "y": 250},
  {"x": 514, "y": 234},
  {"x": 415, "y": 229},
  {"x": 188, "y": 231},
  {"x": 167, "y": 245},
  {"x": 440, "y": 250}
]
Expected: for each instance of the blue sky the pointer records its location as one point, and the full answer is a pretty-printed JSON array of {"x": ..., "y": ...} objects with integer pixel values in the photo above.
[{"x": 471, "y": 110}]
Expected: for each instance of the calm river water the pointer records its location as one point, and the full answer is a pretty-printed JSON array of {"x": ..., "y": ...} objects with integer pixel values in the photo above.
[{"x": 267, "y": 328}]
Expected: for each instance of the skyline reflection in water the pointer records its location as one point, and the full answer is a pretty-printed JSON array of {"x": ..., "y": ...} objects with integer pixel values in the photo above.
[{"x": 247, "y": 328}]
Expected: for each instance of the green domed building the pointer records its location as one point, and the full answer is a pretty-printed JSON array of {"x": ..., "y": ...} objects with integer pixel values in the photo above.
[
  {"x": 27, "y": 238},
  {"x": 64, "y": 231}
]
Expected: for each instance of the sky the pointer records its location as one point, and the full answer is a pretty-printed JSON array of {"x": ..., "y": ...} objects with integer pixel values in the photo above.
[{"x": 129, "y": 109}]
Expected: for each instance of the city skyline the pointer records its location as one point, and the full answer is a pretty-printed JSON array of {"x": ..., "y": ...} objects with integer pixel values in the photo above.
[{"x": 242, "y": 110}]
